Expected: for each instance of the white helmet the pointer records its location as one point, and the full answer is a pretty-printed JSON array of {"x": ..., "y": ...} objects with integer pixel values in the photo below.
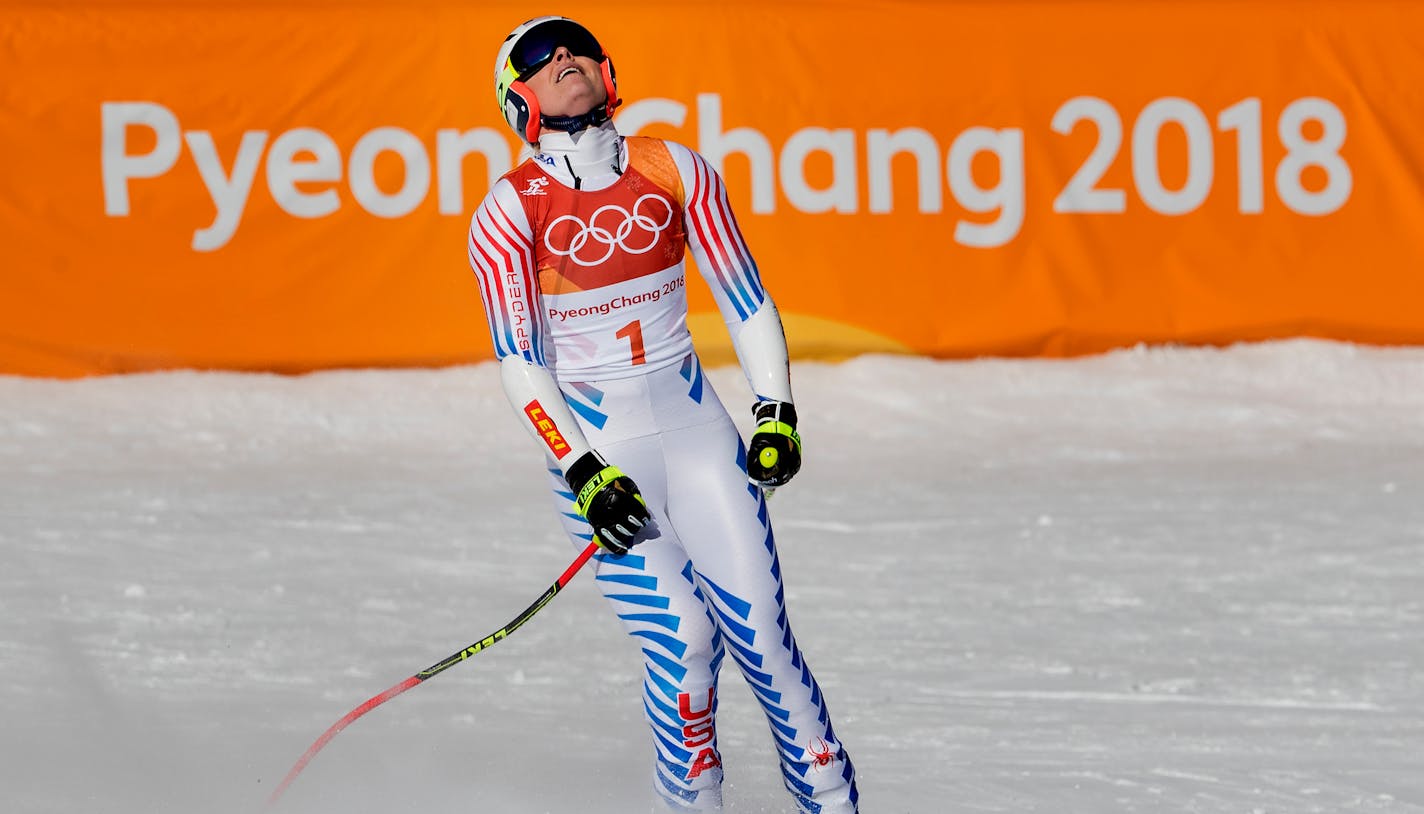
[{"x": 529, "y": 48}]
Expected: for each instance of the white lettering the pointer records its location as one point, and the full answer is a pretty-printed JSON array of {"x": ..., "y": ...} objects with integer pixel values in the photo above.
[
  {"x": 1007, "y": 196},
  {"x": 1303, "y": 152},
  {"x": 1201, "y": 161},
  {"x": 715, "y": 145},
  {"x": 305, "y": 166},
  {"x": 1082, "y": 194},
  {"x": 284, "y": 172},
  {"x": 1244, "y": 118},
  {"x": 882, "y": 146},
  {"x": 362, "y": 172},
  {"x": 841, "y": 195},
  {"x": 229, "y": 193},
  {"x": 117, "y": 166}
]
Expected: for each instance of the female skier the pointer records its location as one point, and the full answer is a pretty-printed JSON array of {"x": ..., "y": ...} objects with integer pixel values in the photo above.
[{"x": 579, "y": 252}]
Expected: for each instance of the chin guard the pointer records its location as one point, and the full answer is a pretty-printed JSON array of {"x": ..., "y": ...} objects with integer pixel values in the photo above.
[{"x": 574, "y": 124}]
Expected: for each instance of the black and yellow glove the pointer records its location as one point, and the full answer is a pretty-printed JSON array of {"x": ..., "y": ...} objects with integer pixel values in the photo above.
[
  {"x": 609, "y": 501},
  {"x": 774, "y": 454}
]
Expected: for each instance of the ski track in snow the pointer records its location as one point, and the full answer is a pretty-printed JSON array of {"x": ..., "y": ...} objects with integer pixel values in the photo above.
[{"x": 1186, "y": 580}]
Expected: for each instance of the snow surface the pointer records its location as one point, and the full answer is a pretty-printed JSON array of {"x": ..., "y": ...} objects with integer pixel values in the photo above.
[{"x": 1156, "y": 580}]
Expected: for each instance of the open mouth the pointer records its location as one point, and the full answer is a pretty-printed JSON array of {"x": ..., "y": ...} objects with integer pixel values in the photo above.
[{"x": 565, "y": 72}]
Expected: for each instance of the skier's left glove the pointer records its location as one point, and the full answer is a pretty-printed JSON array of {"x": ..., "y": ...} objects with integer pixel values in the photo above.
[
  {"x": 774, "y": 454},
  {"x": 609, "y": 501}
]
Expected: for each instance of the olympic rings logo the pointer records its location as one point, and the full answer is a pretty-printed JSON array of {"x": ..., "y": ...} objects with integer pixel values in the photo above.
[{"x": 641, "y": 220}]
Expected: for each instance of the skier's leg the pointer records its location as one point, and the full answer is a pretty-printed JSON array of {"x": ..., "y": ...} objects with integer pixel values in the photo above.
[
  {"x": 682, "y": 652},
  {"x": 652, "y": 591},
  {"x": 724, "y": 526}
]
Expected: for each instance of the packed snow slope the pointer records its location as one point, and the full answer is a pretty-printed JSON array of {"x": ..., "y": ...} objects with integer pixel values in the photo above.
[{"x": 1163, "y": 580}]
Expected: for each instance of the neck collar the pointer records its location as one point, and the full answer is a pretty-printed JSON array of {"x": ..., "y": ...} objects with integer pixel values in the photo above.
[{"x": 592, "y": 158}]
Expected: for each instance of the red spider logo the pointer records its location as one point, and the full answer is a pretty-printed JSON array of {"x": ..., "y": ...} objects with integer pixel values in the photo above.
[{"x": 822, "y": 755}]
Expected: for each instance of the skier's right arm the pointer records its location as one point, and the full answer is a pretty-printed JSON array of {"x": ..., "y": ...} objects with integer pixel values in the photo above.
[
  {"x": 607, "y": 498},
  {"x": 501, "y": 250}
]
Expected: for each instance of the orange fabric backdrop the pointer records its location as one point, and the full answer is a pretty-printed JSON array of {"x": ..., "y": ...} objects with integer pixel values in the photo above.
[{"x": 286, "y": 185}]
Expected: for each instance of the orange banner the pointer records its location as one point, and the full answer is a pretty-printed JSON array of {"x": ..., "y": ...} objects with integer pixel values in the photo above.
[{"x": 287, "y": 185}]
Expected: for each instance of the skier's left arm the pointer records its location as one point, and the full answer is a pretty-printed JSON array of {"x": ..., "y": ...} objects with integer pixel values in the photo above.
[{"x": 774, "y": 452}]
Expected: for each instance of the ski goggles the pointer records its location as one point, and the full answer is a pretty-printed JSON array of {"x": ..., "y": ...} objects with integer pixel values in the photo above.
[{"x": 536, "y": 48}]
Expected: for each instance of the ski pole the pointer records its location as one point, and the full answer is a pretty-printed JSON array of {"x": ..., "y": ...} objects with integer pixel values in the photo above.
[{"x": 433, "y": 670}]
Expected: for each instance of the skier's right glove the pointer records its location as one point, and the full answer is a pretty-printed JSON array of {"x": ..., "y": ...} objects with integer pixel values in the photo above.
[{"x": 609, "y": 501}]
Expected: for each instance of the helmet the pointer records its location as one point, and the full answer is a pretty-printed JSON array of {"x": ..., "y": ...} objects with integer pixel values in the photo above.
[{"x": 529, "y": 48}]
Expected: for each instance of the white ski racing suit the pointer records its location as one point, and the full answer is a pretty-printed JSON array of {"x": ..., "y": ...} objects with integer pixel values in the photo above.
[{"x": 579, "y": 252}]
